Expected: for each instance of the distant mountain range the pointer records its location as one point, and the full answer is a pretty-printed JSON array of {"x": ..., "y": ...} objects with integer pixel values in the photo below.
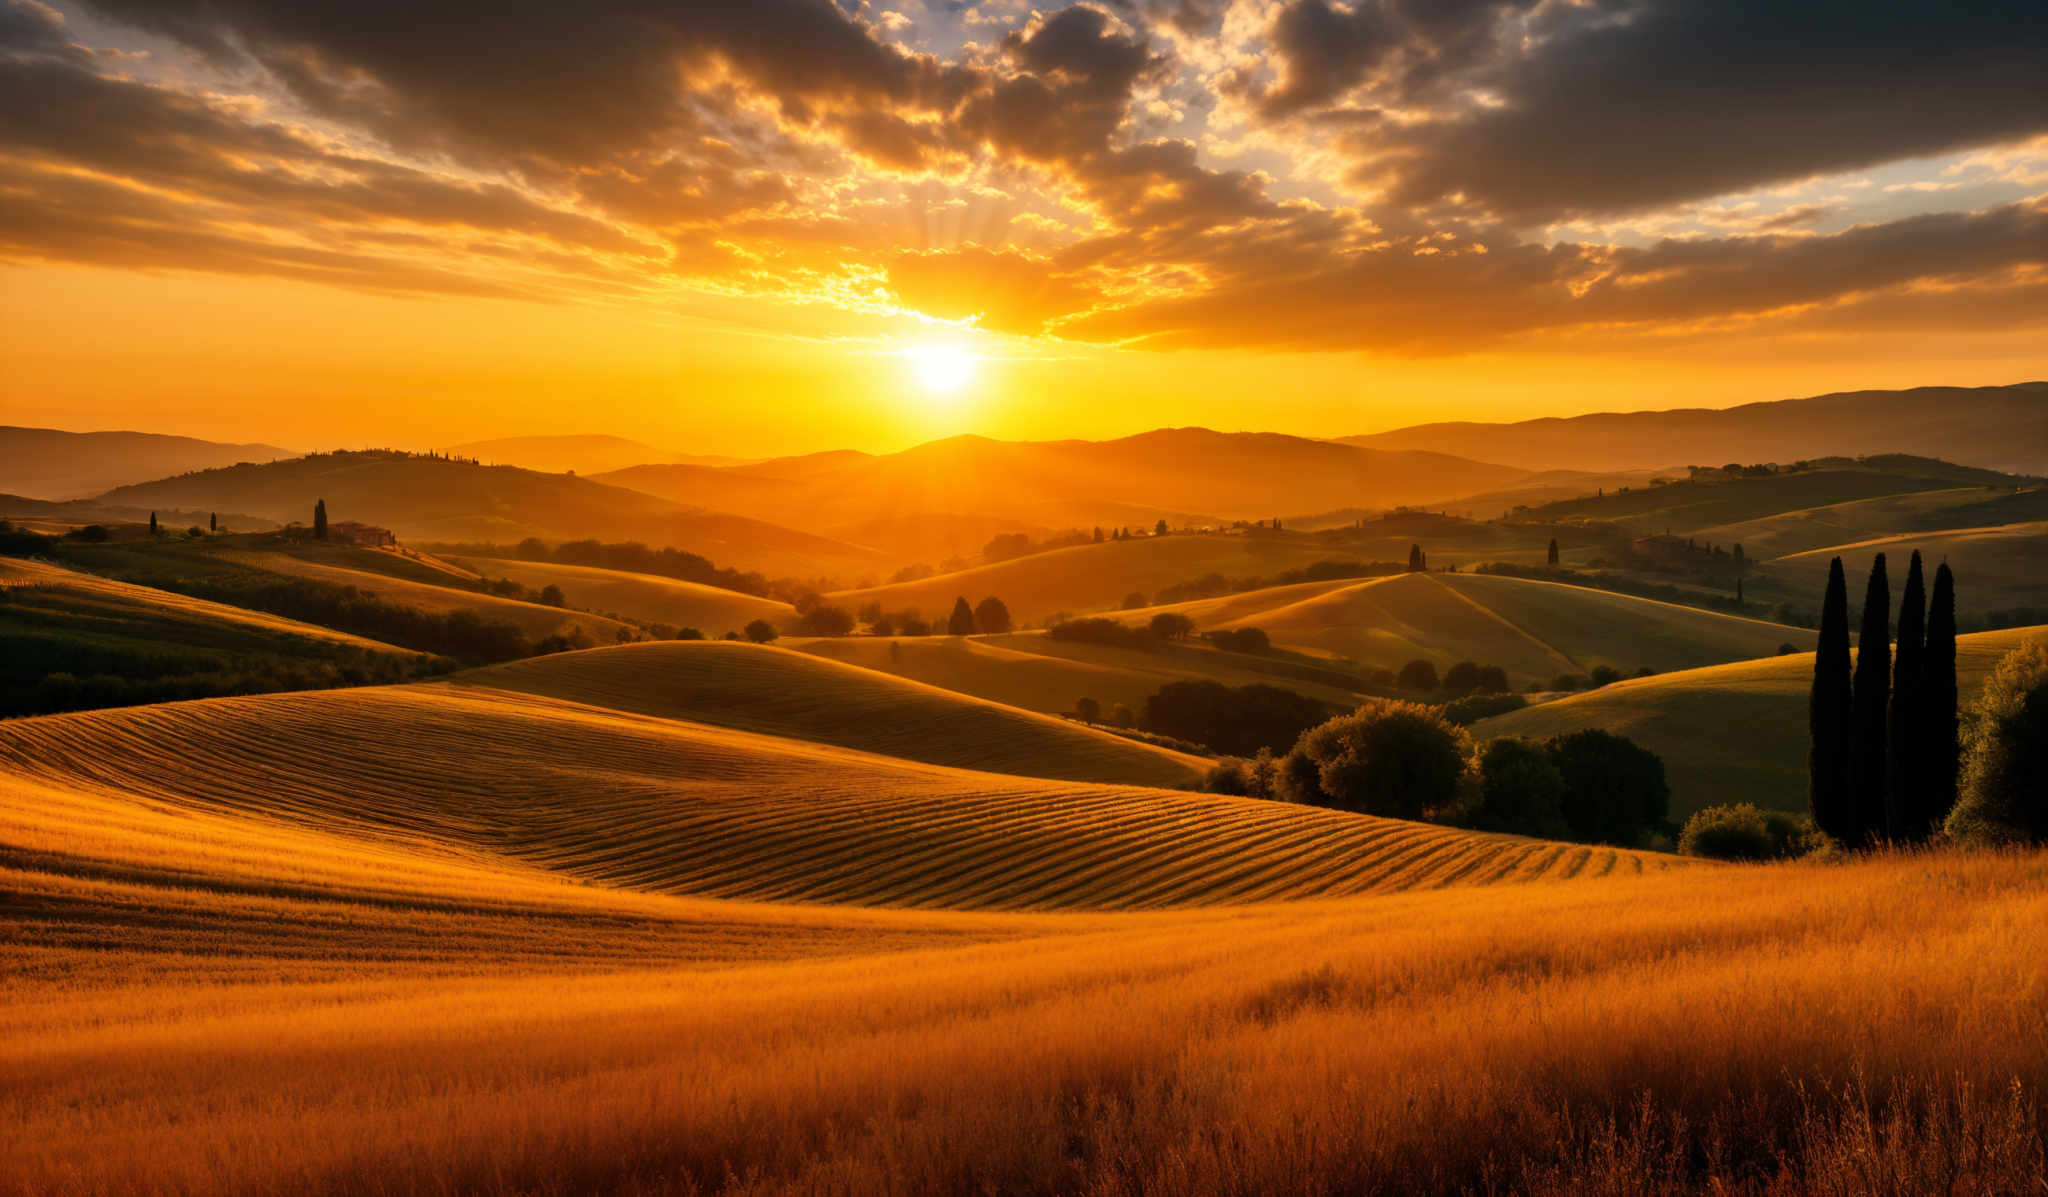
[
  {"x": 582, "y": 454},
  {"x": 2002, "y": 428},
  {"x": 43, "y": 463}
]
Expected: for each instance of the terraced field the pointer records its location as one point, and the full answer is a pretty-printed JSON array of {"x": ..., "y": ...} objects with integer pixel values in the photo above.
[
  {"x": 474, "y": 777},
  {"x": 709, "y": 609},
  {"x": 780, "y": 692},
  {"x": 531, "y": 618},
  {"x": 1727, "y": 733}
]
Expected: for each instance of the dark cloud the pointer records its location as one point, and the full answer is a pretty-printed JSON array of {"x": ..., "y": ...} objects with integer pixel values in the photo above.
[{"x": 1601, "y": 108}]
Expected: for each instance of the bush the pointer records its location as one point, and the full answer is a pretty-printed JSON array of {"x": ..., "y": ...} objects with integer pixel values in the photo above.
[
  {"x": 824, "y": 619},
  {"x": 1467, "y": 711},
  {"x": 760, "y": 631},
  {"x": 2004, "y": 791},
  {"x": 687, "y": 634},
  {"x": 1257, "y": 777},
  {"x": 1237, "y": 721},
  {"x": 1743, "y": 832},
  {"x": 1520, "y": 790},
  {"x": 1605, "y": 675},
  {"x": 1098, "y": 630},
  {"x": 1240, "y": 640},
  {"x": 1399, "y": 759},
  {"x": 1615, "y": 788},
  {"x": 1417, "y": 675}
]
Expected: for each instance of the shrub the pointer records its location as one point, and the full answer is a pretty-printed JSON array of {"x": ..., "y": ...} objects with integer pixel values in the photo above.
[
  {"x": 1520, "y": 790},
  {"x": 1390, "y": 758},
  {"x": 1743, "y": 832},
  {"x": 1098, "y": 630},
  {"x": 1256, "y": 777},
  {"x": 823, "y": 619},
  {"x": 1467, "y": 711},
  {"x": 1605, "y": 675},
  {"x": 760, "y": 631},
  {"x": 687, "y": 634},
  {"x": 1170, "y": 625},
  {"x": 2004, "y": 795},
  {"x": 1615, "y": 788},
  {"x": 1417, "y": 675}
]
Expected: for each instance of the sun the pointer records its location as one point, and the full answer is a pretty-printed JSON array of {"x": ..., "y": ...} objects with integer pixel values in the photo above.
[{"x": 942, "y": 370}]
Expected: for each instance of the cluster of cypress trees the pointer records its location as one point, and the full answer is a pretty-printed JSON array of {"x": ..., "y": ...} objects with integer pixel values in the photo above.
[{"x": 1885, "y": 750}]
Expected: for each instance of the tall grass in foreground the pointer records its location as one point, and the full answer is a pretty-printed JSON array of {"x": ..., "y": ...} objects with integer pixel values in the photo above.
[{"x": 1872, "y": 1026}]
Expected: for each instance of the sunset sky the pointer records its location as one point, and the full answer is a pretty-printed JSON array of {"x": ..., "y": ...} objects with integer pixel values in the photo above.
[{"x": 770, "y": 226}]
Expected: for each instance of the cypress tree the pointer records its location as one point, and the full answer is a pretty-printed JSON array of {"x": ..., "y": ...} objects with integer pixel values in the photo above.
[
  {"x": 1905, "y": 773},
  {"x": 152, "y": 523},
  {"x": 1940, "y": 753},
  {"x": 962, "y": 622},
  {"x": 1828, "y": 713},
  {"x": 320, "y": 519},
  {"x": 1416, "y": 561},
  {"x": 213, "y": 521},
  {"x": 1738, "y": 592},
  {"x": 1553, "y": 550},
  {"x": 1871, "y": 703}
]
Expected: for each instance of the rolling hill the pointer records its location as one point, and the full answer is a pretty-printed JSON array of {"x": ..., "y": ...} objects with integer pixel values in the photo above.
[
  {"x": 44, "y": 463},
  {"x": 582, "y": 454},
  {"x": 656, "y": 805},
  {"x": 710, "y": 609},
  {"x": 1096, "y": 577},
  {"x": 423, "y": 497},
  {"x": 1535, "y": 630},
  {"x": 1185, "y": 475},
  {"x": 1997, "y": 568},
  {"x": 1727, "y": 733},
  {"x": 778, "y": 692},
  {"x": 534, "y": 619},
  {"x": 2001, "y": 428}
]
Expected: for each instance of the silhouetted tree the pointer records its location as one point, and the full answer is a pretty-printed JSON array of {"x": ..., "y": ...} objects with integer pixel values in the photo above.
[
  {"x": 1134, "y": 600},
  {"x": 962, "y": 621},
  {"x": 152, "y": 523},
  {"x": 1416, "y": 561},
  {"x": 1159, "y": 529},
  {"x": 213, "y": 521},
  {"x": 1905, "y": 746},
  {"x": 1089, "y": 710},
  {"x": 1171, "y": 625},
  {"x": 551, "y": 595},
  {"x": 319, "y": 519},
  {"x": 1098, "y": 534},
  {"x": 1615, "y": 789},
  {"x": 1829, "y": 714},
  {"x": 1871, "y": 701},
  {"x": 1553, "y": 550},
  {"x": 1738, "y": 553},
  {"x": 1738, "y": 592},
  {"x": 1492, "y": 680},
  {"x": 1461, "y": 679},
  {"x": 990, "y": 615},
  {"x": 1520, "y": 790},
  {"x": 1417, "y": 675}
]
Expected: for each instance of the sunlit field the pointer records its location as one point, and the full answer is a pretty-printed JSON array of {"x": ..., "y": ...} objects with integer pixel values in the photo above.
[{"x": 1866, "y": 1027}]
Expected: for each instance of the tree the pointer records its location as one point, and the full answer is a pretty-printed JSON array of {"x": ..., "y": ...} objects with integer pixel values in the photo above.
[
  {"x": 551, "y": 595},
  {"x": 1089, "y": 710},
  {"x": 1417, "y": 563},
  {"x": 1492, "y": 680},
  {"x": 1461, "y": 679},
  {"x": 152, "y": 523},
  {"x": 1870, "y": 706},
  {"x": 2004, "y": 795},
  {"x": 962, "y": 621},
  {"x": 1159, "y": 529},
  {"x": 1738, "y": 554},
  {"x": 1553, "y": 550},
  {"x": 213, "y": 521},
  {"x": 1829, "y": 711},
  {"x": 990, "y": 615},
  {"x": 1098, "y": 534},
  {"x": 1520, "y": 790},
  {"x": 1399, "y": 759},
  {"x": 1133, "y": 601},
  {"x": 1417, "y": 675},
  {"x": 1904, "y": 746},
  {"x": 824, "y": 619},
  {"x": 319, "y": 519},
  {"x": 1940, "y": 752},
  {"x": 1615, "y": 789},
  {"x": 1235, "y": 721},
  {"x": 1171, "y": 625},
  {"x": 760, "y": 631}
]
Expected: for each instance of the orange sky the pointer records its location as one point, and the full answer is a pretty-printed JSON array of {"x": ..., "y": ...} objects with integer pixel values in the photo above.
[{"x": 734, "y": 232}]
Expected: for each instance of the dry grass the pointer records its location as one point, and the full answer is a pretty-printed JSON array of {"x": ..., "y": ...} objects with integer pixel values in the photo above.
[
  {"x": 1727, "y": 733},
  {"x": 783, "y": 693},
  {"x": 1865, "y": 1028},
  {"x": 709, "y": 609}
]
